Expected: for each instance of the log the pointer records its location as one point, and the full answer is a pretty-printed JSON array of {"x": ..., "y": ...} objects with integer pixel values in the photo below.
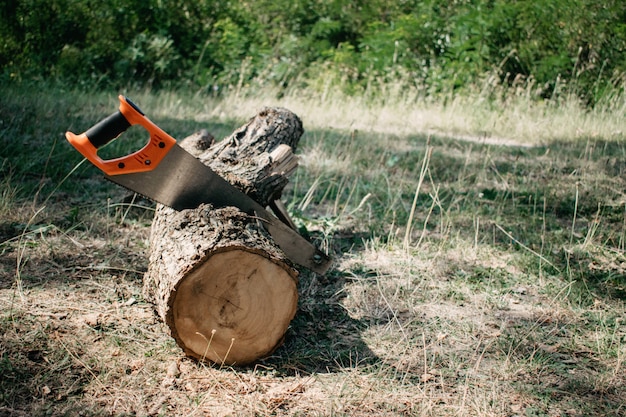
[{"x": 216, "y": 278}]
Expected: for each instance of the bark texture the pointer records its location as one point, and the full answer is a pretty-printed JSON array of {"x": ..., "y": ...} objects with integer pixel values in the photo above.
[{"x": 216, "y": 278}]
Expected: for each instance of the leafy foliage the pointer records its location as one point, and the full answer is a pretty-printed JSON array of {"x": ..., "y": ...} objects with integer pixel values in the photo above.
[{"x": 437, "y": 46}]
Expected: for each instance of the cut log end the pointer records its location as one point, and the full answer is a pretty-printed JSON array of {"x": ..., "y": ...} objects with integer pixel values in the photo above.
[{"x": 234, "y": 308}]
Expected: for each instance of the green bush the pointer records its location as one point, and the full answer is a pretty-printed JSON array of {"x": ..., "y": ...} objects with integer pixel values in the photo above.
[{"x": 577, "y": 46}]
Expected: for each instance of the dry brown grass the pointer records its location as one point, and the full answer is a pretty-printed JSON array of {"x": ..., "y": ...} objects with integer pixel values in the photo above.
[{"x": 504, "y": 300}]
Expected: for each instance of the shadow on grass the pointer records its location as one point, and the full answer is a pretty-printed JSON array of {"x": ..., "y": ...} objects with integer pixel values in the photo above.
[
  {"x": 39, "y": 376},
  {"x": 559, "y": 376},
  {"x": 323, "y": 338},
  {"x": 563, "y": 200}
]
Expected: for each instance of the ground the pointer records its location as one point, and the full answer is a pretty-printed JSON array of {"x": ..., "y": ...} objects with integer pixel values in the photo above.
[{"x": 470, "y": 278}]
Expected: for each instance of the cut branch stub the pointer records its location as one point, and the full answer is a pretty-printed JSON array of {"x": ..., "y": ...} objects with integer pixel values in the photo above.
[{"x": 244, "y": 158}]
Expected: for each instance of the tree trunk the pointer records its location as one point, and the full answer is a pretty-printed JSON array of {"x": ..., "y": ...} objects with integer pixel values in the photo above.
[{"x": 217, "y": 279}]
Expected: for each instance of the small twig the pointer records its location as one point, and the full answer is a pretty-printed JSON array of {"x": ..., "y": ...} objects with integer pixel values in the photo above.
[
  {"x": 393, "y": 312},
  {"x": 543, "y": 258},
  {"x": 409, "y": 223},
  {"x": 232, "y": 342},
  {"x": 571, "y": 236},
  {"x": 20, "y": 254},
  {"x": 435, "y": 199},
  {"x": 132, "y": 203},
  {"x": 84, "y": 365},
  {"x": 101, "y": 268},
  {"x": 208, "y": 342}
]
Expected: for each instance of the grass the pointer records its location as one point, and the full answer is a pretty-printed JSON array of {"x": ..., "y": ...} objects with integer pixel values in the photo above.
[{"x": 480, "y": 264}]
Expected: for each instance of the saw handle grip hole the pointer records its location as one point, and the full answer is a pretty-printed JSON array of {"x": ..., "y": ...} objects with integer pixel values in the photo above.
[{"x": 133, "y": 140}]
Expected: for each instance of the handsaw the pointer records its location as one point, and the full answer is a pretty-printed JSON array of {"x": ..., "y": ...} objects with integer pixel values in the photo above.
[{"x": 166, "y": 173}]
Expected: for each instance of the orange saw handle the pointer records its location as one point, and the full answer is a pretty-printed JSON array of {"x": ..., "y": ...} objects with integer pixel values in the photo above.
[{"x": 145, "y": 159}]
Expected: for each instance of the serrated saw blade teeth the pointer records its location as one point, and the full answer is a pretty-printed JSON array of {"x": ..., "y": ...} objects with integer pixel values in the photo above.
[{"x": 147, "y": 197}]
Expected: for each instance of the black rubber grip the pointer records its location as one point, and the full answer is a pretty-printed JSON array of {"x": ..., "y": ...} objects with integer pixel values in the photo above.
[{"x": 108, "y": 129}]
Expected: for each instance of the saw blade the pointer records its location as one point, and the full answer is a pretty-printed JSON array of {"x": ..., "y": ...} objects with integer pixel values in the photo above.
[{"x": 181, "y": 181}]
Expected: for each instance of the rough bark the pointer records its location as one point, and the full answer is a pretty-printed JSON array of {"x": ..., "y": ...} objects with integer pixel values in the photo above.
[
  {"x": 252, "y": 157},
  {"x": 216, "y": 278}
]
